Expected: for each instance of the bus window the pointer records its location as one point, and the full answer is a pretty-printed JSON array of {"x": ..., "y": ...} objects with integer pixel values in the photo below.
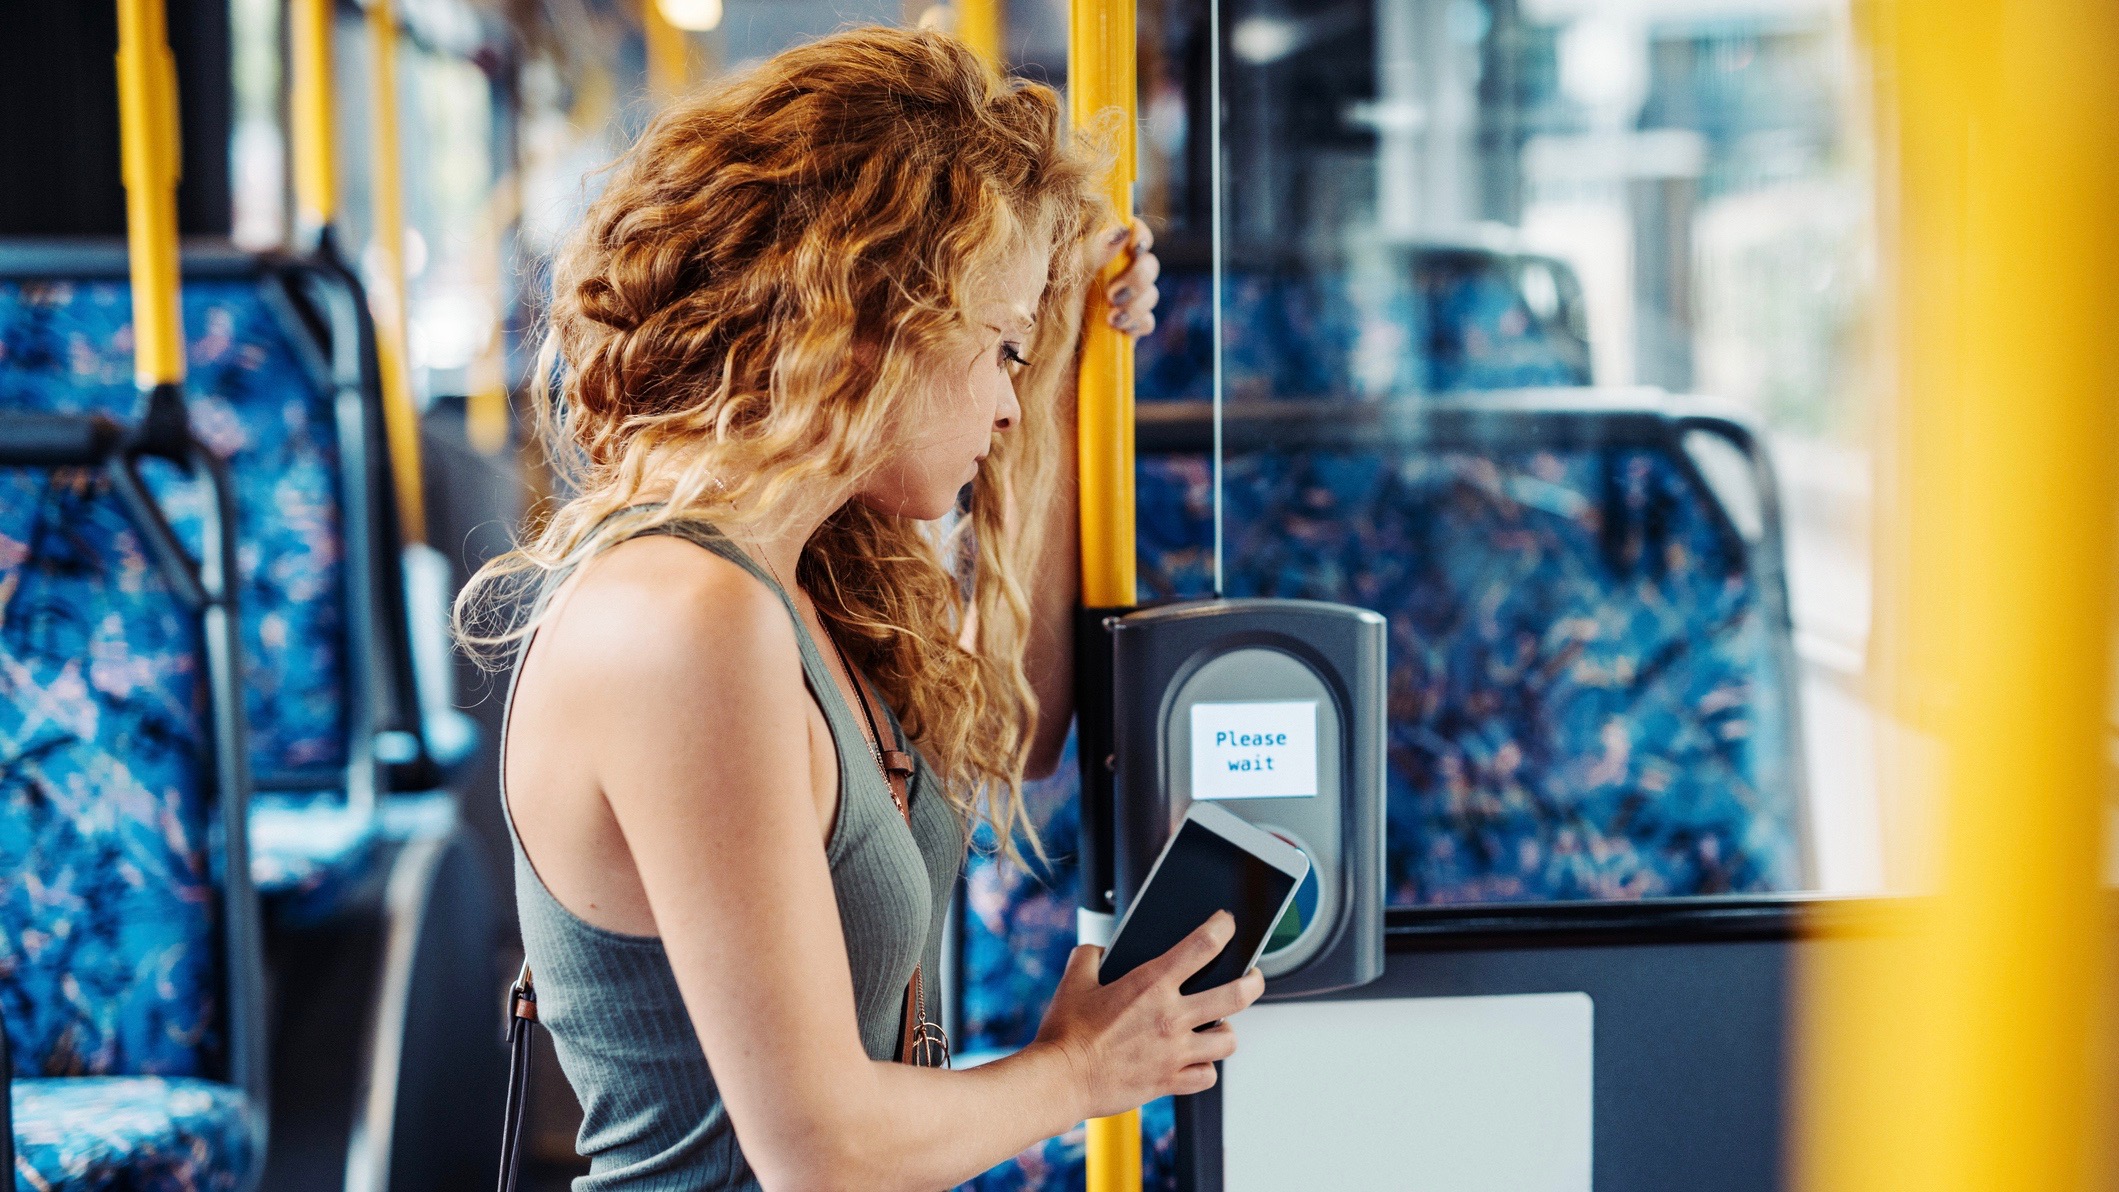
[{"x": 1544, "y": 336}]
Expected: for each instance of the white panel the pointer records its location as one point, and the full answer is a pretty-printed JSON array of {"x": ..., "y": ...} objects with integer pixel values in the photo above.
[{"x": 1454, "y": 1094}]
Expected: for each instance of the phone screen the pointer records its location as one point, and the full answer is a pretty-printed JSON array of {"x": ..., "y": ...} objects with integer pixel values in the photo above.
[{"x": 1200, "y": 874}]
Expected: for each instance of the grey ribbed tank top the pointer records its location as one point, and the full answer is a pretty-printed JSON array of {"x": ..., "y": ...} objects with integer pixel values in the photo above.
[{"x": 652, "y": 1119}]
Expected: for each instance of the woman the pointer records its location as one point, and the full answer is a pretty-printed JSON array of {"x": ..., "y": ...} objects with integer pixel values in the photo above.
[{"x": 763, "y": 698}]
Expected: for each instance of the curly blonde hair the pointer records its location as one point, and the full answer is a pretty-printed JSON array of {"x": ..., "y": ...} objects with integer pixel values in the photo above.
[{"x": 744, "y": 314}]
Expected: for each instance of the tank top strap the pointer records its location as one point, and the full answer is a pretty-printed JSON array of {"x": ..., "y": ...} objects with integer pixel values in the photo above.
[
  {"x": 847, "y": 724},
  {"x": 861, "y": 783},
  {"x": 708, "y": 536}
]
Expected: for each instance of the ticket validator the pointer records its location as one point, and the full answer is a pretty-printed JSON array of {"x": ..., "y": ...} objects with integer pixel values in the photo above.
[{"x": 1275, "y": 710}]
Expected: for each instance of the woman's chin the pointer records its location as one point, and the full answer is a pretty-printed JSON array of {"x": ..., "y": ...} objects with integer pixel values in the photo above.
[{"x": 916, "y": 506}]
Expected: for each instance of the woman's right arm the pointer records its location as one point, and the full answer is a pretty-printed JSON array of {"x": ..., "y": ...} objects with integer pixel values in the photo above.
[{"x": 687, "y": 685}]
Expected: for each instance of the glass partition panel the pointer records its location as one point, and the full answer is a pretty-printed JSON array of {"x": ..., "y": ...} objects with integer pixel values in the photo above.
[{"x": 1543, "y": 335}]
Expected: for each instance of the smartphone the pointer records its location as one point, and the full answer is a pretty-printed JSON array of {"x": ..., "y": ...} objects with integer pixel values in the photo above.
[{"x": 1214, "y": 862}]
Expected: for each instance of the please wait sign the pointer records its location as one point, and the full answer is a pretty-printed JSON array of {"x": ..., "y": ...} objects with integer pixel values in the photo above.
[{"x": 1261, "y": 750}]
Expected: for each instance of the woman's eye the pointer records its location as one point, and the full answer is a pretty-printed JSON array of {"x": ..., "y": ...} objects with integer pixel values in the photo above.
[{"x": 1012, "y": 357}]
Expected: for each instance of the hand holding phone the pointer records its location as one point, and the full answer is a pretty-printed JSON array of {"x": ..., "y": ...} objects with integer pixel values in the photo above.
[
  {"x": 1144, "y": 1021},
  {"x": 1213, "y": 862}
]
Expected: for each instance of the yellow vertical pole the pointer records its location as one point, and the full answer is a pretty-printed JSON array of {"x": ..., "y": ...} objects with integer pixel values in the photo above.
[
  {"x": 400, "y": 418},
  {"x": 486, "y": 411},
  {"x": 315, "y": 142},
  {"x": 1101, "y": 94},
  {"x": 147, "y": 99},
  {"x": 982, "y": 24},
  {"x": 669, "y": 53},
  {"x": 1961, "y": 1055}
]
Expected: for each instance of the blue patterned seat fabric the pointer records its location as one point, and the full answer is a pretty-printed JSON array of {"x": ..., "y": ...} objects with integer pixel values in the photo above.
[
  {"x": 1585, "y": 693},
  {"x": 150, "y": 1134},
  {"x": 66, "y": 347},
  {"x": 1481, "y": 332},
  {"x": 107, "y": 903},
  {"x": 1460, "y": 321}
]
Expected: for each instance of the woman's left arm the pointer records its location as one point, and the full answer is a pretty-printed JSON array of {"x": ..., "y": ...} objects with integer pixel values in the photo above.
[{"x": 1127, "y": 302}]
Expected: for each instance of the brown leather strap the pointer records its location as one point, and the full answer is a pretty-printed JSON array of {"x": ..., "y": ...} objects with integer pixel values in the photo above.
[
  {"x": 914, "y": 1036},
  {"x": 897, "y": 770}
]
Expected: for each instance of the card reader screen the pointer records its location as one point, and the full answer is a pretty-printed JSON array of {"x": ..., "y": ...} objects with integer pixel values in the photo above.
[{"x": 1261, "y": 750}]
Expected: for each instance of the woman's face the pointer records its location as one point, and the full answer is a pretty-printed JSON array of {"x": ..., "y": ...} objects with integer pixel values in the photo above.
[{"x": 964, "y": 398}]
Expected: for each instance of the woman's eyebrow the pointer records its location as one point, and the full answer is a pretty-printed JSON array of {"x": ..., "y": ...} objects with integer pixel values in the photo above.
[{"x": 1024, "y": 321}]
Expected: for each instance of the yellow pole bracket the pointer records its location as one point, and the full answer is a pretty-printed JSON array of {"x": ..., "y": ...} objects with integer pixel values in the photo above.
[
  {"x": 1101, "y": 99},
  {"x": 148, "y": 138},
  {"x": 1966, "y": 1051},
  {"x": 388, "y": 301}
]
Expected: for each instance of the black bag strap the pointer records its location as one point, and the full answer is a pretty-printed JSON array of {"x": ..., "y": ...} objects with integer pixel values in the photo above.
[{"x": 522, "y": 1015}]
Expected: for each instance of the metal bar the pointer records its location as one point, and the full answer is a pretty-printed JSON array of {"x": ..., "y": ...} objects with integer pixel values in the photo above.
[
  {"x": 1214, "y": 224},
  {"x": 147, "y": 135},
  {"x": 388, "y": 297},
  {"x": 249, "y": 1061},
  {"x": 1101, "y": 98},
  {"x": 310, "y": 124},
  {"x": 1966, "y": 1056}
]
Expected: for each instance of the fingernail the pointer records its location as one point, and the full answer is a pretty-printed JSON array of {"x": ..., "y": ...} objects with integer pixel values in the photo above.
[
  {"x": 1121, "y": 295},
  {"x": 1121, "y": 320},
  {"x": 1118, "y": 236}
]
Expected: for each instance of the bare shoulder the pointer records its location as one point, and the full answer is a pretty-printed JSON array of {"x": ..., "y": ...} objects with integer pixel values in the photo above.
[
  {"x": 655, "y": 702},
  {"x": 657, "y": 612}
]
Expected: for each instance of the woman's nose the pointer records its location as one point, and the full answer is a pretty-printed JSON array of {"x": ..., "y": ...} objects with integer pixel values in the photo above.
[{"x": 1009, "y": 410}]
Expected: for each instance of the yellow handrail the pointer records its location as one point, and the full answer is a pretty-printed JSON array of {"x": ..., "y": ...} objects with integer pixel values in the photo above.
[
  {"x": 1101, "y": 96},
  {"x": 486, "y": 408},
  {"x": 1962, "y": 1055},
  {"x": 311, "y": 128},
  {"x": 148, "y": 131},
  {"x": 669, "y": 53},
  {"x": 981, "y": 25},
  {"x": 400, "y": 418}
]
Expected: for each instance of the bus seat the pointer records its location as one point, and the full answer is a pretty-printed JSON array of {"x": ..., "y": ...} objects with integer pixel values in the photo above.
[
  {"x": 1592, "y": 687},
  {"x": 1589, "y": 680},
  {"x": 1497, "y": 321},
  {"x": 117, "y": 971},
  {"x": 150, "y": 1132},
  {"x": 259, "y": 395},
  {"x": 1297, "y": 332},
  {"x": 1445, "y": 319}
]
